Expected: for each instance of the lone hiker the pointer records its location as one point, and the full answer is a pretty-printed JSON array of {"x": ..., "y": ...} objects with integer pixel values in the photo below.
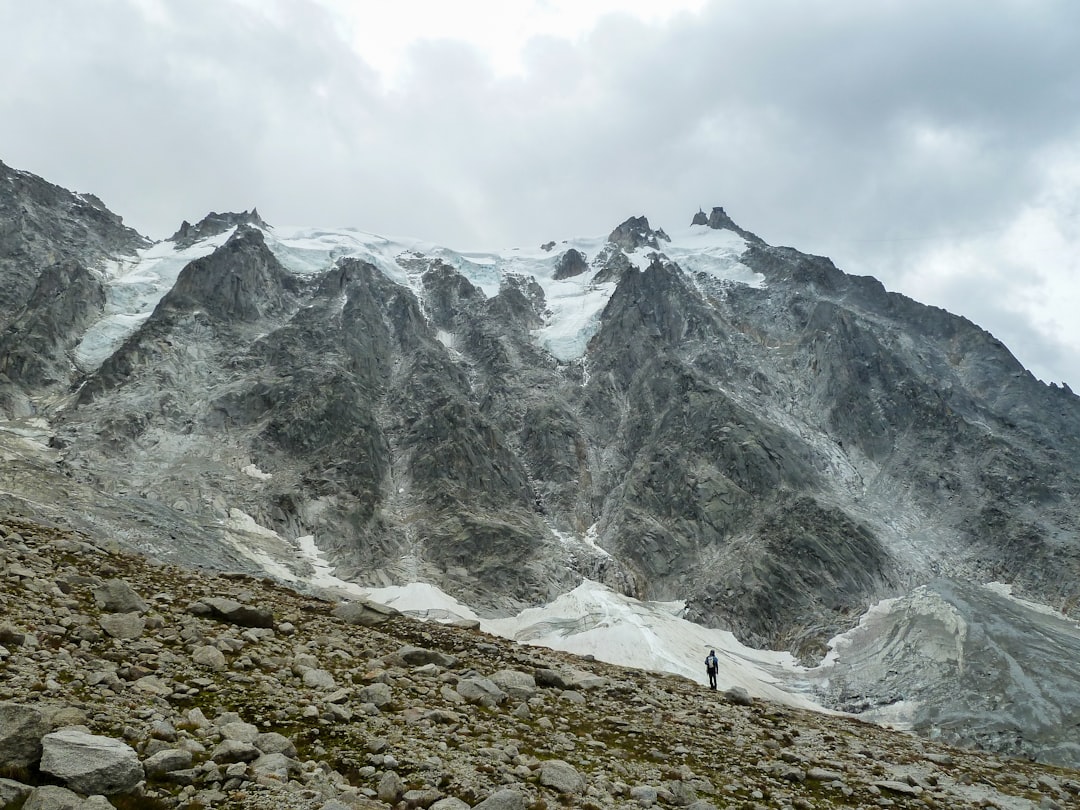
[{"x": 712, "y": 666}]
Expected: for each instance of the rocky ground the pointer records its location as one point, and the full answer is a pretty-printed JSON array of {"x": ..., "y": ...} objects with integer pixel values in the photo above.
[{"x": 133, "y": 684}]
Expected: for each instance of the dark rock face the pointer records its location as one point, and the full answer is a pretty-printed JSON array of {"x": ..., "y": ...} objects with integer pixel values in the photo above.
[
  {"x": 636, "y": 232},
  {"x": 570, "y": 264},
  {"x": 213, "y": 224}
]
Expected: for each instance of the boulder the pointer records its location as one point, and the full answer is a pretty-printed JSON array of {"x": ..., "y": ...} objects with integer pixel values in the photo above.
[
  {"x": 518, "y": 685},
  {"x": 163, "y": 762},
  {"x": 209, "y": 657},
  {"x": 364, "y": 613},
  {"x": 505, "y": 799},
  {"x": 233, "y": 612},
  {"x": 21, "y": 730},
  {"x": 419, "y": 656},
  {"x": 122, "y": 625},
  {"x": 53, "y": 797},
  {"x": 116, "y": 596},
  {"x": 89, "y": 763},
  {"x": 481, "y": 691},
  {"x": 12, "y": 792},
  {"x": 561, "y": 776}
]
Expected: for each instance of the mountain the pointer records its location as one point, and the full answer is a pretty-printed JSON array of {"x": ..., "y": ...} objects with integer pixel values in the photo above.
[{"x": 684, "y": 415}]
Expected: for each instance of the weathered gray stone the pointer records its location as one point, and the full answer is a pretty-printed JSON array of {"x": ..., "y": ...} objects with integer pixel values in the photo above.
[
  {"x": 561, "y": 776},
  {"x": 481, "y": 691},
  {"x": 276, "y": 765},
  {"x": 12, "y": 791},
  {"x": 739, "y": 696},
  {"x": 117, "y": 596},
  {"x": 228, "y": 751},
  {"x": 123, "y": 625},
  {"x": 450, "y": 803},
  {"x": 53, "y": 797},
  {"x": 518, "y": 685},
  {"x": 505, "y": 799},
  {"x": 21, "y": 730},
  {"x": 418, "y": 656},
  {"x": 233, "y": 612},
  {"x": 89, "y": 763},
  {"x": 163, "y": 762},
  {"x": 378, "y": 693},
  {"x": 270, "y": 742},
  {"x": 364, "y": 613},
  {"x": 239, "y": 730},
  {"x": 319, "y": 679},
  {"x": 390, "y": 787},
  {"x": 209, "y": 657},
  {"x": 645, "y": 795}
]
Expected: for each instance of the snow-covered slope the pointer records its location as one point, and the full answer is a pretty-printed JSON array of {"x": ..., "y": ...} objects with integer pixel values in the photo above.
[{"x": 135, "y": 286}]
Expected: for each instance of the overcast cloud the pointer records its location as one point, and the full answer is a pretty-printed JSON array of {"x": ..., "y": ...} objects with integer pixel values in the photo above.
[{"x": 933, "y": 145}]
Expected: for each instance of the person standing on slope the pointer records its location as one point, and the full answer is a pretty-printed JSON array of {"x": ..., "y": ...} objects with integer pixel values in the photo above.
[{"x": 712, "y": 666}]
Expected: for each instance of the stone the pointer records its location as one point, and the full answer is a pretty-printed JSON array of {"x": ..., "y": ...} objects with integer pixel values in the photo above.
[
  {"x": 450, "y": 803},
  {"x": 163, "y": 762},
  {"x": 53, "y": 797},
  {"x": 209, "y": 657},
  {"x": 377, "y": 693},
  {"x": 364, "y": 613},
  {"x": 418, "y": 656},
  {"x": 12, "y": 792},
  {"x": 739, "y": 696},
  {"x": 561, "y": 776},
  {"x": 276, "y": 765},
  {"x": 239, "y": 730},
  {"x": 21, "y": 730},
  {"x": 505, "y": 799},
  {"x": 11, "y": 635},
  {"x": 390, "y": 787},
  {"x": 123, "y": 625},
  {"x": 270, "y": 742},
  {"x": 518, "y": 685},
  {"x": 89, "y": 763},
  {"x": 228, "y": 751},
  {"x": 481, "y": 691},
  {"x": 117, "y": 596},
  {"x": 233, "y": 612},
  {"x": 319, "y": 679},
  {"x": 645, "y": 795}
]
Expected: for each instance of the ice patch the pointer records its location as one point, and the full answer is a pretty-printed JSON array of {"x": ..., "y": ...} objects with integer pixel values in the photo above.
[{"x": 255, "y": 472}]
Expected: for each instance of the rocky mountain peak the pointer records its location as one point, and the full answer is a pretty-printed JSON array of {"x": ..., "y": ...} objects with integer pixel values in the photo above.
[
  {"x": 636, "y": 232},
  {"x": 718, "y": 219},
  {"x": 213, "y": 224}
]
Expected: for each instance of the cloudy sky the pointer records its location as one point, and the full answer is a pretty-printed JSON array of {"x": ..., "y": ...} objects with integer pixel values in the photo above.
[{"x": 934, "y": 145}]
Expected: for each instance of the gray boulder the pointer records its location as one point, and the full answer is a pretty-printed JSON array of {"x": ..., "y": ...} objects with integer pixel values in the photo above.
[
  {"x": 506, "y": 799},
  {"x": 116, "y": 596},
  {"x": 419, "y": 656},
  {"x": 21, "y": 730},
  {"x": 364, "y": 613},
  {"x": 12, "y": 792},
  {"x": 88, "y": 763},
  {"x": 233, "y": 612},
  {"x": 561, "y": 776},
  {"x": 123, "y": 625},
  {"x": 481, "y": 691},
  {"x": 518, "y": 685},
  {"x": 209, "y": 657},
  {"x": 53, "y": 797},
  {"x": 167, "y": 761}
]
